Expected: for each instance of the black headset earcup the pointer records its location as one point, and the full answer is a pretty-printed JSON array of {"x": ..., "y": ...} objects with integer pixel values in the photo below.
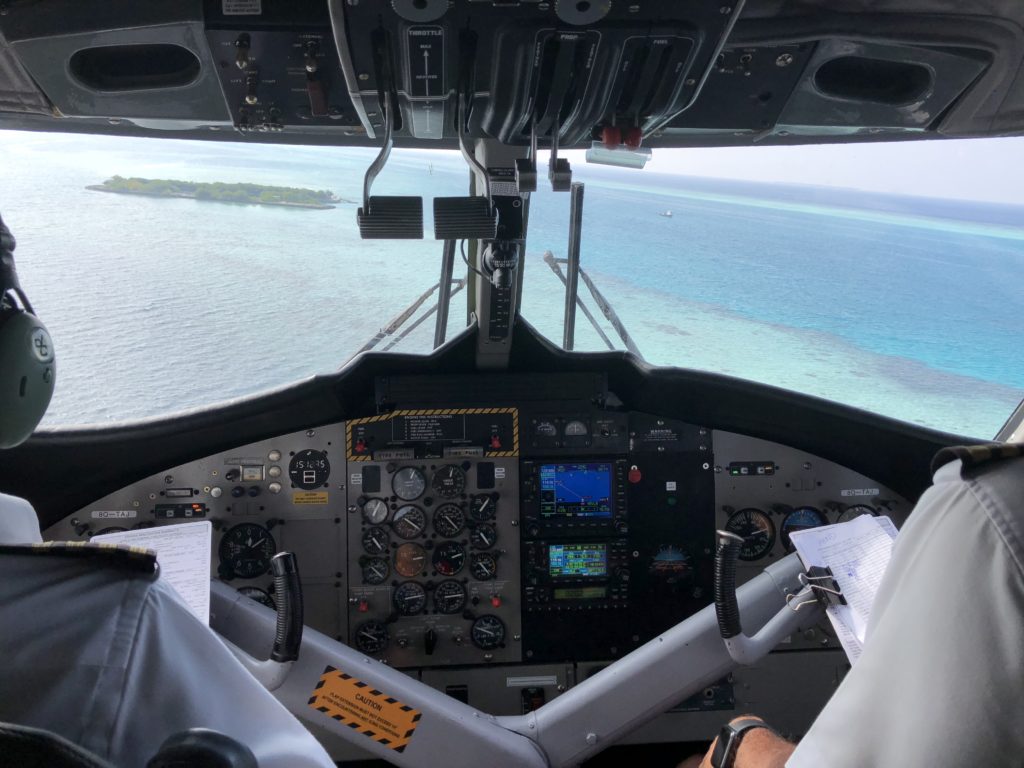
[{"x": 28, "y": 370}]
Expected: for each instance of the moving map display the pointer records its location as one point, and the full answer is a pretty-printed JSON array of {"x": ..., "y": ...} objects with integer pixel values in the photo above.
[{"x": 581, "y": 490}]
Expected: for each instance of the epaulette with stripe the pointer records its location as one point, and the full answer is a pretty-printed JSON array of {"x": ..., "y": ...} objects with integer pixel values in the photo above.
[
  {"x": 974, "y": 456},
  {"x": 135, "y": 559}
]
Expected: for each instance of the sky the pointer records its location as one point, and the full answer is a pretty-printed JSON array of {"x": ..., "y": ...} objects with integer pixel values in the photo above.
[{"x": 963, "y": 169}]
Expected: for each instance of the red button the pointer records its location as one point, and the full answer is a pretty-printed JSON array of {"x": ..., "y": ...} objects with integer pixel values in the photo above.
[
  {"x": 634, "y": 475},
  {"x": 496, "y": 601},
  {"x": 611, "y": 136},
  {"x": 360, "y": 446},
  {"x": 364, "y": 606},
  {"x": 495, "y": 443}
]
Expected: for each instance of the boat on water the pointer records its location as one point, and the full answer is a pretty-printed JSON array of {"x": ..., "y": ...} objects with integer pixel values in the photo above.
[{"x": 489, "y": 545}]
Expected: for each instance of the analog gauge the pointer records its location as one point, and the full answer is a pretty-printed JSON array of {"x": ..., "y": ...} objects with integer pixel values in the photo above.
[
  {"x": 375, "y": 511},
  {"x": 483, "y": 536},
  {"x": 449, "y": 558},
  {"x": 409, "y": 522},
  {"x": 488, "y": 632},
  {"x": 309, "y": 469},
  {"x": 757, "y": 531},
  {"x": 410, "y": 560},
  {"x": 408, "y": 483},
  {"x": 410, "y": 598},
  {"x": 246, "y": 550},
  {"x": 576, "y": 428},
  {"x": 449, "y": 520},
  {"x": 449, "y": 481},
  {"x": 371, "y": 637},
  {"x": 375, "y": 541},
  {"x": 483, "y": 566},
  {"x": 545, "y": 429},
  {"x": 449, "y": 597},
  {"x": 259, "y": 595},
  {"x": 800, "y": 519},
  {"x": 375, "y": 570},
  {"x": 856, "y": 510},
  {"x": 482, "y": 506}
]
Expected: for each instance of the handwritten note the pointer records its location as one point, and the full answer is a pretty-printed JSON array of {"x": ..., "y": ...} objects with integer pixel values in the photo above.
[
  {"x": 858, "y": 553},
  {"x": 183, "y": 552}
]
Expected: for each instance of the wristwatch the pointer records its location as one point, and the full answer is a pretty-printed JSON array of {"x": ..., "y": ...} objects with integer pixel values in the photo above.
[{"x": 729, "y": 740}]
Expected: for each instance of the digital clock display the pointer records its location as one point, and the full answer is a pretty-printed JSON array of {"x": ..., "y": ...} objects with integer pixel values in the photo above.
[{"x": 309, "y": 469}]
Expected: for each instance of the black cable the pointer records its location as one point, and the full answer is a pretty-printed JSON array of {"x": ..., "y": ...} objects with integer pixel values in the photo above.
[{"x": 462, "y": 250}]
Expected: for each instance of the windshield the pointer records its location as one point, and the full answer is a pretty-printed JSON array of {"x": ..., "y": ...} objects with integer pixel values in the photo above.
[{"x": 169, "y": 281}]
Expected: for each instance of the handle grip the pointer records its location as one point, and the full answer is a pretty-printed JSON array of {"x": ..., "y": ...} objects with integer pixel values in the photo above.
[
  {"x": 727, "y": 609},
  {"x": 288, "y": 591}
]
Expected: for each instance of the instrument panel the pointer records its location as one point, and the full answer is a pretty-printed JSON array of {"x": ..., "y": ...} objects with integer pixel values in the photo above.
[{"x": 502, "y": 553}]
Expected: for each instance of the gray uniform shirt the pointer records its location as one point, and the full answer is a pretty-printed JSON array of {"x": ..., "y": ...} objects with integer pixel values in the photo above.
[
  {"x": 941, "y": 679},
  {"x": 114, "y": 661}
]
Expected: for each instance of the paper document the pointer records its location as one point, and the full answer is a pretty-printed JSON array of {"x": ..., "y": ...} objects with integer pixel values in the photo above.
[
  {"x": 183, "y": 552},
  {"x": 857, "y": 552}
]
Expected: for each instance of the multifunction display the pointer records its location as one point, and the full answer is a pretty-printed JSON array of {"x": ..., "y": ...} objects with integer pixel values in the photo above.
[
  {"x": 575, "y": 561},
  {"x": 575, "y": 491}
]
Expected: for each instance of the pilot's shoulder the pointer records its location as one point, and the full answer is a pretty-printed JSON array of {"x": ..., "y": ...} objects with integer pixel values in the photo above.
[
  {"x": 978, "y": 459},
  {"x": 121, "y": 558}
]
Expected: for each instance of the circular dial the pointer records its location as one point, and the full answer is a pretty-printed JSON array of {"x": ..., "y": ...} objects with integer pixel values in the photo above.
[
  {"x": 488, "y": 632},
  {"x": 756, "y": 529},
  {"x": 410, "y": 598},
  {"x": 483, "y": 566},
  {"x": 409, "y": 522},
  {"x": 800, "y": 519},
  {"x": 375, "y": 570},
  {"x": 375, "y": 541},
  {"x": 449, "y": 481},
  {"x": 449, "y": 520},
  {"x": 483, "y": 536},
  {"x": 576, "y": 428},
  {"x": 259, "y": 595},
  {"x": 375, "y": 511},
  {"x": 449, "y": 558},
  {"x": 309, "y": 469},
  {"x": 545, "y": 429},
  {"x": 408, "y": 483},
  {"x": 410, "y": 560},
  {"x": 371, "y": 637},
  {"x": 856, "y": 510},
  {"x": 246, "y": 550},
  {"x": 449, "y": 597},
  {"x": 482, "y": 506}
]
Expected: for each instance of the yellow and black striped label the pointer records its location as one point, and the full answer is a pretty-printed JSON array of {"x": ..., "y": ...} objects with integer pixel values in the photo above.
[
  {"x": 504, "y": 453},
  {"x": 365, "y": 710}
]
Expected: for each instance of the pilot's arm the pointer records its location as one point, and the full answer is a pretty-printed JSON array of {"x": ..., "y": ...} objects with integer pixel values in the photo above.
[{"x": 939, "y": 681}]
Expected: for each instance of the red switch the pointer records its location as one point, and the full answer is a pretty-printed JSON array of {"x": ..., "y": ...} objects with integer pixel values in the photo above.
[
  {"x": 634, "y": 474},
  {"x": 495, "y": 443},
  {"x": 633, "y": 137},
  {"x": 496, "y": 601},
  {"x": 360, "y": 446},
  {"x": 364, "y": 605},
  {"x": 611, "y": 136}
]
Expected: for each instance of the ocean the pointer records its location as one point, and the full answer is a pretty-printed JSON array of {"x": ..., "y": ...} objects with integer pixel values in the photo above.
[{"x": 906, "y": 306}]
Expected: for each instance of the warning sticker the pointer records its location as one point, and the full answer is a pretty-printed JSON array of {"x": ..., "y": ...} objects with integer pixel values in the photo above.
[
  {"x": 309, "y": 497},
  {"x": 364, "y": 709}
]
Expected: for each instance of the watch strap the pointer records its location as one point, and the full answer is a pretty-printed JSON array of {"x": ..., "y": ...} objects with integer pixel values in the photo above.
[{"x": 729, "y": 739}]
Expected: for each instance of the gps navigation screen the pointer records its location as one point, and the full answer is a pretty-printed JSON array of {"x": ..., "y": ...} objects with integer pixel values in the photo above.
[
  {"x": 577, "y": 560},
  {"x": 576, "y": 490}
]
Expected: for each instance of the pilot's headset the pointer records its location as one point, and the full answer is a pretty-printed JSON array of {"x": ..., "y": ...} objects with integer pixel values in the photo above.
[{"x": 28, "y": 367}]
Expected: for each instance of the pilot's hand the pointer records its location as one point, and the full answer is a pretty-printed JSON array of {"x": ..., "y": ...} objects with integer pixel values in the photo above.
[{"x": 759, "y": 748}]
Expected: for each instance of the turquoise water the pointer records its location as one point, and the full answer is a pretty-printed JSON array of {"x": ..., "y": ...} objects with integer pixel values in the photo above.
[{"x": 162, "y": 304}]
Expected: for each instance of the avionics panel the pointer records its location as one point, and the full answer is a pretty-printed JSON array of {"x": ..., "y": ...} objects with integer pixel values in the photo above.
[
  {"x": 570, "y": 496},
  {"x": 576, "y": 575}
]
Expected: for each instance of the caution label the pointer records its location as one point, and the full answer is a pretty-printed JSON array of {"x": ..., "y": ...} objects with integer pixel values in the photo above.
[
  {"x": 364, "y": 709},
  {"x": 309, "y": 497}
]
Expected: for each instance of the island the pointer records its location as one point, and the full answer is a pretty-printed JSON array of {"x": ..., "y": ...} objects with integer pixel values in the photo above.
[{"x": 248, "y": 194}]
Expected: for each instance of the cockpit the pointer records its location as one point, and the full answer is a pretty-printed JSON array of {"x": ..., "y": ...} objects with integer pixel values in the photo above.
[{"x": 402, "y": 290}]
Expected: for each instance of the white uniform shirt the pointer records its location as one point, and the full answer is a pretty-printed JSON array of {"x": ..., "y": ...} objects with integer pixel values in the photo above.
[
  {"x": 941, "y": 679},
  {"x": 115, "y": 662}
]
